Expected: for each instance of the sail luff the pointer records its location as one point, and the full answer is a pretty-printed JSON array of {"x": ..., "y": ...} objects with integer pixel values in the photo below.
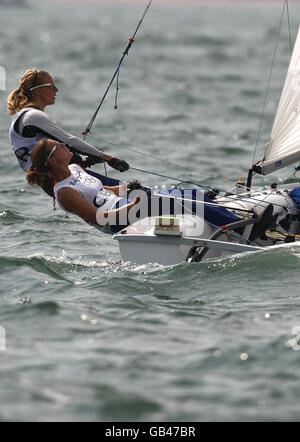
[
  {"x": 285, "y": 110},
  {"x": 284, "y": 145},
  {"x": 288, "y": 103}
]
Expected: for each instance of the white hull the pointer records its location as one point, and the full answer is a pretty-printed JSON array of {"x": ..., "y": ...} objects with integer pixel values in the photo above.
[
  {"x": 170, "y": 251},
  {"x": 140, "y": 243}
]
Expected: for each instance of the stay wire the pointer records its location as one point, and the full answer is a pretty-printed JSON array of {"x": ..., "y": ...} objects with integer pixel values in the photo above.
[
  {"x": 116, "y": 73},
  {"x": 171, "y": 163},
  {"x": 289, "y": 24},
  {"x": 172, "y": 178},
  {"x": 268, "y": 85},
  {"x": 180, "y": 181},
  {"x": 117, "y": 91}
]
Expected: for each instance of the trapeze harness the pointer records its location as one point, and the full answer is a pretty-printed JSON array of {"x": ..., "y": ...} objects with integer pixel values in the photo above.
[{"x": 31, "y": 125}]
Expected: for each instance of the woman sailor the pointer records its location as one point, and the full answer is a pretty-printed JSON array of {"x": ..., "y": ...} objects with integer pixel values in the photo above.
[
  {"x": 75, "y": 190},
  {"x": 36, "y": 91}
]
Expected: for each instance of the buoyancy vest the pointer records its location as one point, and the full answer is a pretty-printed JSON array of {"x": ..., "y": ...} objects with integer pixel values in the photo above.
[
  {"x": 22, "y": 146},
  {"x": 89, "y": 187}
]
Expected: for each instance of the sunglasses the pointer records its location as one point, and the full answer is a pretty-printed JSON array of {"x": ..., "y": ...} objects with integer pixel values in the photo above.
[
  {"x": 52, "y": 85},
  {"x": 50, "y": 155}
]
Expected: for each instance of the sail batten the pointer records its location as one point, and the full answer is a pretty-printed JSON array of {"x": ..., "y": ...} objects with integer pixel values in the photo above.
[{"x": 284, "y": 145}]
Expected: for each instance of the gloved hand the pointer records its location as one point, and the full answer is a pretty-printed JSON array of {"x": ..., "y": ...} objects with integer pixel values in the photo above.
[
  {"x": 118, "y": 164},
  {"x": 91, "y": 160},
  {"x": 134, "y": 185}
]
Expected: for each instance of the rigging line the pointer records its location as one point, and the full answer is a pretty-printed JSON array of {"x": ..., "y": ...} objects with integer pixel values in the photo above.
[
  {"x": 227, "y": 195},
  {"x": 268, "y": 85},
  {"x": 177, "y": 179},
  {"x": 232, "y": 232},
  {"x": 131, "y": 41},
  {"x": 263, "y": 200},
  {"x": 289, "y": 24},
  {"x": 171, "y": 178},
  {"x": 289, "y": 177},
  {"x": 204, "y": 203},
  {"x": 206, "y": 187},
  {"x": 250, "y": 199},
  {"x": 182, "y": 166},
  {"x": 117, "y": 91},
  {"x": 230, "y": 197}
]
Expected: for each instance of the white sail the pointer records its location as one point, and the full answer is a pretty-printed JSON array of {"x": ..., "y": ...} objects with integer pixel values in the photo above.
[{"x": 283, "y": 147}]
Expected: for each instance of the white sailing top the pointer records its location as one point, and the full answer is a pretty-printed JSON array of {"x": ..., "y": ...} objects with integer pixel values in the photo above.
[
  {"x": 22, "y": 146},
  {"x": 30, "y": 125},
  {"x": 89, "y": 187}
]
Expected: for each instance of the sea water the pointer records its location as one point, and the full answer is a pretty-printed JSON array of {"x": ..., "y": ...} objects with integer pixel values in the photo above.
[{"x": 85, "y": 336}]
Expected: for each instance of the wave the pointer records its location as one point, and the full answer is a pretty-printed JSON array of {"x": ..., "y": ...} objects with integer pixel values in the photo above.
[
  {"x": 59, "y": 267},
  {"x": 12, "y": 217},
  {"x": 269, "y": 270},
  {"x": 39, "y": 264},
  {"x": 277, "y": 259}
]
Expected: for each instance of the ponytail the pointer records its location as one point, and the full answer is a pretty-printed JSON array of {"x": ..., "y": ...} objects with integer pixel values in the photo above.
[
  {"x": 20, "y": 98},
  {"x": 16, "y": 101},
  {"x": 36, "y": 177},
  {"x": 43, "y": 180}
]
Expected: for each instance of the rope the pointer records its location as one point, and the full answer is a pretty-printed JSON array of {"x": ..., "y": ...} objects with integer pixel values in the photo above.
[{"x": 116, "y": 74}]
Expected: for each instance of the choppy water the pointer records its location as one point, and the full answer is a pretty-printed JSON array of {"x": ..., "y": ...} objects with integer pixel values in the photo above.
[{"x": 89, "y": 337}]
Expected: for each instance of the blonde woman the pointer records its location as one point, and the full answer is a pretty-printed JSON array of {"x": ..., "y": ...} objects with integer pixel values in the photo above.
[
  {"x": 30, "y": 123},
  {"x": 76, "y": 191}
]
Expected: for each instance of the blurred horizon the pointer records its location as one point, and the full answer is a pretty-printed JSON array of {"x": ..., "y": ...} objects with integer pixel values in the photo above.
[{"x": 166, "y": 1}]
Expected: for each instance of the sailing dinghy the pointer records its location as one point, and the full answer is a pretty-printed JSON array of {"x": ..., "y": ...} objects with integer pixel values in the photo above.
[{"x": 261, "y": 218}]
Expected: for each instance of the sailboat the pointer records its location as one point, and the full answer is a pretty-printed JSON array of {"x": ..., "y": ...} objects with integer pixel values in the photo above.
[{"x": 258, "y": 219}]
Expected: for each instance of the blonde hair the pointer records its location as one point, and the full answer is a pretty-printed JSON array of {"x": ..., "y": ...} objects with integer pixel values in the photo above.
[{"x": 20, "y": 98}]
